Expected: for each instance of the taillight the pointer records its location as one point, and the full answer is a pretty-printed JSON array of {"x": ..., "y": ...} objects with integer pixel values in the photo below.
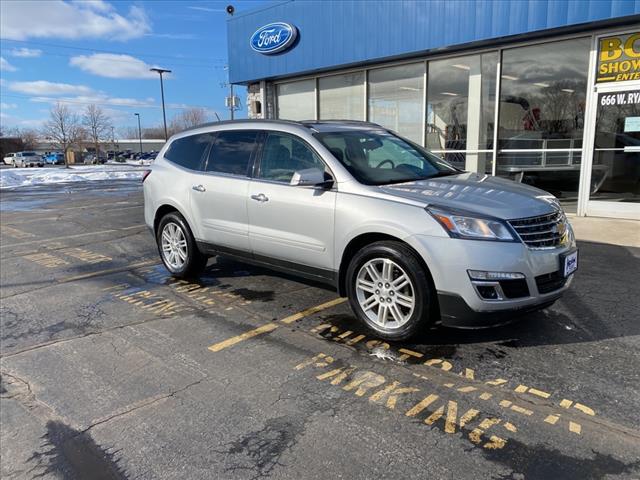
[{"x": 145, "y": 174}]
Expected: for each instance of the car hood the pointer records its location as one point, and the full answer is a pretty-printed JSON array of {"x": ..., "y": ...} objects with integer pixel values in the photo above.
[{"x": 482, "y": 194}]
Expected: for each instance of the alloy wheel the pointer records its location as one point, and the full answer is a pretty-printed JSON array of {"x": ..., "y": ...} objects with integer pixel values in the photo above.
[
  {"x": 385, "y": 293},
  {"x": 174, "y": 246}
]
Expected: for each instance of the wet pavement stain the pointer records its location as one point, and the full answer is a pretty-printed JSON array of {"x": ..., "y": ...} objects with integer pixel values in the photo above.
[
  {"x": 260, "y": 451},
  {"x": 74, "y": 454},
  {"x": 254, "y": 295},
  {"x": 540, "y": 461}
]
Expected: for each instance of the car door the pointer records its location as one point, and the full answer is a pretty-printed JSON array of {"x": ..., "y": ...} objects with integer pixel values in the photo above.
[
  {"x": 219, "y": 196},
  {"x": 287, "y": 222}
]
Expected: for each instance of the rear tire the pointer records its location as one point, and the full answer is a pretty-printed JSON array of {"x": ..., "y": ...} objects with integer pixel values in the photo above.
[
  {"x": 177, "y": 247},
  {"x": 390, "y": 291}
]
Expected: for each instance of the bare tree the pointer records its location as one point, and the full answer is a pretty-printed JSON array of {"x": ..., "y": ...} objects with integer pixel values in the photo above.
[
  {"x": 193, "y": 117},
  {"x": 156, "y": 132},
  {"x": 97, "y": 125},
  {"x": 189, "y": 118},
  {"x": 29, "y": 138},
  {"x": 63, "y": 129}
]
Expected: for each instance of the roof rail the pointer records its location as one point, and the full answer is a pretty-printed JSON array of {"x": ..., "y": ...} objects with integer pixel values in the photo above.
[
  {"x": 354, "y": 122},
  {"x": 304, "y": 123},
  {"x": 241, "y": 120}
]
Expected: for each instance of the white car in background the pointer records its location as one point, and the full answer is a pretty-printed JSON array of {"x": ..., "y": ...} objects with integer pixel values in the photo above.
[
  {"x": 24, "y": 159},
  {"x": 8, "y": 158}
]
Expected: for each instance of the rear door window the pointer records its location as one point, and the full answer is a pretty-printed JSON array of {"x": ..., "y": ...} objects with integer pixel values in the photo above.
[
  {"x": 232, "y": 151},
  {"x": 188, "y": 152}
]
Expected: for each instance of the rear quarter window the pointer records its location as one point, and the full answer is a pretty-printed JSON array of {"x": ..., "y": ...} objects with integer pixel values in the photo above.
[{"x": 188, "y": 152}]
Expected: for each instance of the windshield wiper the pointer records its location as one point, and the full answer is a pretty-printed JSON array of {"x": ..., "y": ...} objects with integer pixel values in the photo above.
[
  {"x": 408, "y": 180},
  {"x": 441, "y": 174}
]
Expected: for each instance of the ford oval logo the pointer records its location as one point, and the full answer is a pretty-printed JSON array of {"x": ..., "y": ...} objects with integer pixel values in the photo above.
[{"x": 273, "y": 38}]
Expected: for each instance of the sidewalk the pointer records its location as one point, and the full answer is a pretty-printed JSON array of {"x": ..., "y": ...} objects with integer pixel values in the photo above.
[{"x": 606, "y": 230}]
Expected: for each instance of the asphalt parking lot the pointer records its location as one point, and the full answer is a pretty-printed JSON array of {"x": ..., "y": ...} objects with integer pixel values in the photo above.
[{"x": 113, "y": 369}]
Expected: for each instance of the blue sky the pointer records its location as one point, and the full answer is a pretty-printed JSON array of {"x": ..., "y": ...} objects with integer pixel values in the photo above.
[{"x": 96, "y": 51}]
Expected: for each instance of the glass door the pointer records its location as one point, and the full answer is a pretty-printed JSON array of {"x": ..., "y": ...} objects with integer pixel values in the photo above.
[{"x": 614, "y": 188}]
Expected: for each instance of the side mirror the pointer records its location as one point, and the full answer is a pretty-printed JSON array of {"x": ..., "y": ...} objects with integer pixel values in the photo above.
[{"x": 311, "y": 177}]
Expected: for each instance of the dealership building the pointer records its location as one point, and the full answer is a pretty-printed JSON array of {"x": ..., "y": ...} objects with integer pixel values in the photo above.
[{"x": 545, "y": 92}]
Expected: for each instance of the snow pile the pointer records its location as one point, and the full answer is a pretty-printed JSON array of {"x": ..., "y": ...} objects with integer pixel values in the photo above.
[{"x": 23, "y": 177}]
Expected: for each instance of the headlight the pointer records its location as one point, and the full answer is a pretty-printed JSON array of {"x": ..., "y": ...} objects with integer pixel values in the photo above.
[{"x": 462, "y": 225}]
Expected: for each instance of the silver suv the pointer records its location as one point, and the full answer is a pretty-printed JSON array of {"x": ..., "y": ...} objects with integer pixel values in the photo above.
[{"x": 407, "y": 237}]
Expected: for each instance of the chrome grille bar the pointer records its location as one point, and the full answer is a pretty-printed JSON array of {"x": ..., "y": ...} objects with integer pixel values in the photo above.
[{"x": 543, "y": 231}]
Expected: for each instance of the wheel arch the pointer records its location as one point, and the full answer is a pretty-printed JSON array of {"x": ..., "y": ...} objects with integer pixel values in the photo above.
[
  {"x": 163, "y": 210},
  {"x": 363, "y": 239}
]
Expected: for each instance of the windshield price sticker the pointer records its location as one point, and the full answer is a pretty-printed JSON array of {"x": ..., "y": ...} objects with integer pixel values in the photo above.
[
  {"x": 627, "y": 97},
  {"x": 619, "y": 58}
]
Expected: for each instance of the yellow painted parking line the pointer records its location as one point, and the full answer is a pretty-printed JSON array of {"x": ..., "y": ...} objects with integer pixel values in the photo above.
[
  {"x": 48, "y": 240},
  {"x": 272, "y": 326},
  {"x": 229, "y": 342},
  {"x": 106, "y": 271},
  {"x": 15, "y": 233},
  {"x": 312, "y": 310}
]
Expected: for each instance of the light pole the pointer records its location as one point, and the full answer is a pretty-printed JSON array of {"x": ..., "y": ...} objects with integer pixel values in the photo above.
[
  {"x": 139, "y": 131},
  {"x": 164, "y": 115}
]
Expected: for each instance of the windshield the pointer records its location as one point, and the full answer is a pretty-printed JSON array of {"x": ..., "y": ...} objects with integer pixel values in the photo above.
[
  {"x": 379, "y": 157},
  {"x": 28, "y": 154}
]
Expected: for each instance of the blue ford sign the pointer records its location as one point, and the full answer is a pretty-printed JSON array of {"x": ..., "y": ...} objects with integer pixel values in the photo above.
[{"x": 273, "y": 38}]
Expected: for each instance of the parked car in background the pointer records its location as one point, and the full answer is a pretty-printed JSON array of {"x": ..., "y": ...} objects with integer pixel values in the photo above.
[
  {"x": 94, "y": 159},
  {"x": 27, "y": 159},
  {"x": 408, "y": 238},
  {"x": 8, "y": 158},
  {"x": 54, "y": 158}
]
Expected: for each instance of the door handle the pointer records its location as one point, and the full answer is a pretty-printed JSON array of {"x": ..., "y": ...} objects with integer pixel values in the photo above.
[
  {"x": 199, "y": 188},
  {"x": 260, "y": 198}
]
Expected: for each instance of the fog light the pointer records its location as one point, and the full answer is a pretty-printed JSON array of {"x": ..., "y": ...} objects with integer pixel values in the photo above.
[
  {"x": 488, "y": 292},
  {"x": 489, "y": 276}
]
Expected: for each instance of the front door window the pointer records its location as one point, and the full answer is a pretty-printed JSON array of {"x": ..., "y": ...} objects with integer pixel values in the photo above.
[{"x": 615, "y": 174}]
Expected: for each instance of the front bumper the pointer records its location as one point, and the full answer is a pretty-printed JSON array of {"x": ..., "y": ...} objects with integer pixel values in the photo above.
[
  {"x": 449, "y": 260},
  {"x": 454, "y": 312}
]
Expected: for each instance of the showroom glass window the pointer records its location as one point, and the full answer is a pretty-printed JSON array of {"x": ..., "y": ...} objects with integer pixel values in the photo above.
[
  {"x": 396, "y": 99},
  {"x": 342, "y": 97},
  {"x": 297, "y": 100},
  {"x": 542, "y": 107},
  {"x": 461, "y": 109}
]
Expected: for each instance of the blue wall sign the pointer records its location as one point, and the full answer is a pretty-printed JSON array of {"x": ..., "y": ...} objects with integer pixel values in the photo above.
[{"x": 273, "y": 38}]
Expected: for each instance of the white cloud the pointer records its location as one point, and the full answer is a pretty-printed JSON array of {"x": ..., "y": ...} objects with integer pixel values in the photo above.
[
  {"x": 42, "y": 87},
  {"x": 7, "y": 106},
  {"x": 99, "y": 98},
  {"x": 173, "y": 36},
  {"x": 113, "y": 66},
  {"x": 25, "y": 52},
  {"x": 206, "y": 9},
  {"x": 6, "y": 66},
  {"x": 62, "y": 19}
]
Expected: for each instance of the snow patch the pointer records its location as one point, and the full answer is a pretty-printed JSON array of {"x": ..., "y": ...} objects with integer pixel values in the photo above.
[{"x": 24, "y": 177}]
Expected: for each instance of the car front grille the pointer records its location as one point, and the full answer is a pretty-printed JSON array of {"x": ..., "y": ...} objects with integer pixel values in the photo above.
[
  {"x": 544, "y": 231},
  {"x": 514, "y": 288},
  {"x": 550, "y": 282}
]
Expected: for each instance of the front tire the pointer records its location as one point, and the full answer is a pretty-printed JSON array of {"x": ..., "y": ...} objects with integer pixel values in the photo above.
[
  {"x": 177, "y": 247},
  {"x": 390, "y": 291}
]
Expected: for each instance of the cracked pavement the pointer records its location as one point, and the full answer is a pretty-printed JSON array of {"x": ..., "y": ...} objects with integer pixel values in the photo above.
[{"x": 106, "y": 371}]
